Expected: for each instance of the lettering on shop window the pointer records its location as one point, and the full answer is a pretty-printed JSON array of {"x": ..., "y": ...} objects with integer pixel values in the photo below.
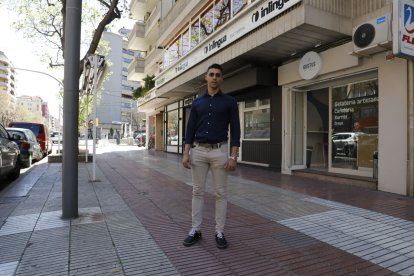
[{"x": 344, "y": 112}]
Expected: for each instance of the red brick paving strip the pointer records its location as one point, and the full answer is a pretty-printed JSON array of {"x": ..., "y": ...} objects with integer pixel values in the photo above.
[{"x": 257, "y": 246}]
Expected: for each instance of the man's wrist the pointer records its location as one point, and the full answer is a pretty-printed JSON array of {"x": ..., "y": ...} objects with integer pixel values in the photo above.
[{"x": 234, "y": 157}]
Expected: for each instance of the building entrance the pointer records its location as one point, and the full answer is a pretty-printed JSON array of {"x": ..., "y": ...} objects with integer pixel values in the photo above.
[{"x": 335, "y": 128}]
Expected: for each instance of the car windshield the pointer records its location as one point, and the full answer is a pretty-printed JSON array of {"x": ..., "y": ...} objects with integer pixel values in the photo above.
[{"x": 35, "y": 128}]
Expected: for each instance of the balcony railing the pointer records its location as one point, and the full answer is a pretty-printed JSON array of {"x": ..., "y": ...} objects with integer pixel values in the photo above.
[
  {"x": 136, "y": 38},
  {"x": 151, "y": 61},
  {"x": 136, "y": 69},
  {"x": 153, "y": 18}
]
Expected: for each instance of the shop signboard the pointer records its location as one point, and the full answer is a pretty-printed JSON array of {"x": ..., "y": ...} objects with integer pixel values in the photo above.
[
  {"x": 403, "y": 28},
  {"x": 310, "y": 65},
  {"x": 248, "y": 20}
]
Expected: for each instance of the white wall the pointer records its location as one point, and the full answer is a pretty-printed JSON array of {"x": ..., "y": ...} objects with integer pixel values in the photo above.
[{"x": 392, "y": 144}]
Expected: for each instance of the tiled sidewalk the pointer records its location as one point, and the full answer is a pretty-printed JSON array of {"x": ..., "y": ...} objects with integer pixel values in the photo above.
[{"x": 133, "y": 220}]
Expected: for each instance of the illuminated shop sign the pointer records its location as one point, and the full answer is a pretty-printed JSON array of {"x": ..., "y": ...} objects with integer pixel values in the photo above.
[
  {"x": 252, "y": 18},
  {"x": 403, "y": 28}
]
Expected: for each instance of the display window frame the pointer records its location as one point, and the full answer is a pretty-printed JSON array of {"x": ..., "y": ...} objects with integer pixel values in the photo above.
[
  {"x": 256, "y": 107},
  {"x": 301, "y": 151}
]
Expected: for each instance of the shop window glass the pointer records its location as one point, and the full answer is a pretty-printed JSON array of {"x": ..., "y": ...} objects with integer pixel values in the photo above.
[
  {"x": 257, "y": 124},
  {"x": 175, "y": 50},
  {"x": 221, "y": 13},
  {"x": 172, "y": 53},
  {"x": 264, "y": 102},
  {"x": 172, "y": 128},
  {"x": 186, "y": 42},
  {"x": 195, "y": 33},
  {"x": 206, "y": 23},
  {"x": 354, "y": 125},
  {"x": 238, "y": 5},
  {"x": 249, "y": 104},
  {"x": 165, "y": 60}
]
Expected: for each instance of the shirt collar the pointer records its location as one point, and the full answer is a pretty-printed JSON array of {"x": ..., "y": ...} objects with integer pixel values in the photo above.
[{"x": 219, "y": 93}]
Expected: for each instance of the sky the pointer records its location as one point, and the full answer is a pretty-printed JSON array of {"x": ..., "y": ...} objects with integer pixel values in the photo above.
[{"x": 20, "y": 52}]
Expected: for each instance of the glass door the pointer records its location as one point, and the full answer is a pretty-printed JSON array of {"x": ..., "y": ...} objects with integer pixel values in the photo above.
[{"x": 298, "y": 123}]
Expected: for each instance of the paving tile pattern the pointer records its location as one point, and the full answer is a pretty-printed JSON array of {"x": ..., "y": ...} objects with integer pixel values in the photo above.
[
  {"x": 105, "y": 239},
  {"x": 258, "y": 244},
  {"x": 132, "y": 221}
]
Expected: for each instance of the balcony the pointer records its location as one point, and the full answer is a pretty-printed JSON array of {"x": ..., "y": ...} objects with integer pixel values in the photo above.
[
  {"x": 153, "y": 18},
  {"x": 137, "y": 9},
  {"x": 136, "y": 69},
  {"x": 151, "y": 61},
  {"x": 136, "y": 39}
]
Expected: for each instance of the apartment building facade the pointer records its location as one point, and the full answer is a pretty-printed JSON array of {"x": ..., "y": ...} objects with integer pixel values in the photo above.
[
  {"x": 7, "y": 89},
  {"x": 115, "y": 106},
  {"x": 319, "y": 92}
]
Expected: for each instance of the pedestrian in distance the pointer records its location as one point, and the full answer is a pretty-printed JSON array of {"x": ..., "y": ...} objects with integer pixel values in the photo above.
[{"x": 207, "y": 148}]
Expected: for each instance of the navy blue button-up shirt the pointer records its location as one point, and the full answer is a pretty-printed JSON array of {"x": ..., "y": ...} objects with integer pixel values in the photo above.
[{"x": 210, "y": 119}]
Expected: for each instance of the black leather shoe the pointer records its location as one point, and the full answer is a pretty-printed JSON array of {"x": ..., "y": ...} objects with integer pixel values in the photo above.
[
  {"x": 192, "y": 238},
  {"x": 221, "y": 241}
]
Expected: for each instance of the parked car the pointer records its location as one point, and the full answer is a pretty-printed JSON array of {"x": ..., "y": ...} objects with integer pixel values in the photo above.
[
  {"x": 29, "y": 147},
  {"x": 54, "y": 137},
  {"x": 141, "y": 139},
  {"x": 41, "y": 132},
  {"x": 345, "y": 144},
  {"x": 9, "y": 155}
]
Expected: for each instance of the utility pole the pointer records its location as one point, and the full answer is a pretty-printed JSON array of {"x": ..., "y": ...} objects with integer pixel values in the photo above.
[{"x": 71, "y": 109}]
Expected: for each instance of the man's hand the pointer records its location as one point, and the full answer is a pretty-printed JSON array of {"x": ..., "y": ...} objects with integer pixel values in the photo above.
[
  {"x": 186, "y": 161},
  {"x": 230, "y": 165}
]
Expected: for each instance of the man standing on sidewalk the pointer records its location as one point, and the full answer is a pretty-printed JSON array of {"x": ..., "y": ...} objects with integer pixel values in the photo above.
[{"x": 206, "y": 136}]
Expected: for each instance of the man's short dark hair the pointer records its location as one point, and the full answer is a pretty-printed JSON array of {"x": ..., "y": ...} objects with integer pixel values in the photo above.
[{"x": 216, "y": 66}]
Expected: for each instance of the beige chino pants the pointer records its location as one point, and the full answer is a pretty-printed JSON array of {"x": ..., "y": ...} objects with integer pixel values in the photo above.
[{"x": 202, "y": 160}]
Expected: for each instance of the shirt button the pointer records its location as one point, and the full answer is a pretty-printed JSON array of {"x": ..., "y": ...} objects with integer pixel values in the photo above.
[
  {"x": 210, "y": 104},
  {"x": 209, "y": 114}
]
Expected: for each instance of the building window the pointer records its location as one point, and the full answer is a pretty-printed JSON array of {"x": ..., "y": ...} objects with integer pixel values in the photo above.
[
  {"x": 206, "y": 23},
  {"x": 257, "y": 119},
  {"x": 202, "y": 25},
  {"x": 221, "y": 13},
  {"x": 172, "y": 128},
  {"x": 238, "y": 5},
  {"x": 354, "y": 125},
  {"x": 186, "y": 42},
  {"x": 195, "y": 33}
]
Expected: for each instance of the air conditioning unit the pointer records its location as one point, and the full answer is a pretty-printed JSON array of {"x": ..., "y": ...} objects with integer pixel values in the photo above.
[{"x": 372, "y": 36}]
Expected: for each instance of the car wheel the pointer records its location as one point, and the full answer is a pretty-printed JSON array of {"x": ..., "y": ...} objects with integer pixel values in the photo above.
[
  {"x": 29, "y": 162},
  {"x": 16, "y": 171}
]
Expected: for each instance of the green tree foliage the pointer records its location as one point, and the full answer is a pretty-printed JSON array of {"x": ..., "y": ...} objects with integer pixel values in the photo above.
[
  {"x": 43, "y": 22},
  {"x": 141, "y": 91}
]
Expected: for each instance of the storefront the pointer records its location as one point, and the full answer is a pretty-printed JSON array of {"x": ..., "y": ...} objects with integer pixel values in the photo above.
[
  {"x": 348, "y": 117},
  {"x": 259, "y": 111}
]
